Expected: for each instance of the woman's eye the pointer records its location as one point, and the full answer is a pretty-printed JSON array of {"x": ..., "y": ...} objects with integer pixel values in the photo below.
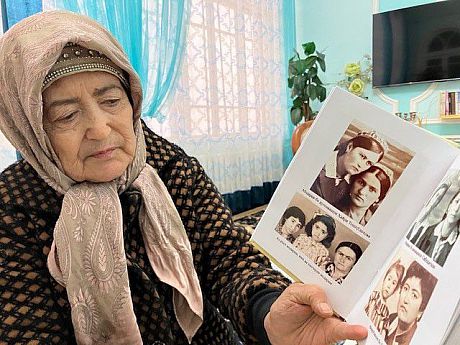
[
  {"x": 111, "y": 102},
  {"x": 68, "y": 117}
]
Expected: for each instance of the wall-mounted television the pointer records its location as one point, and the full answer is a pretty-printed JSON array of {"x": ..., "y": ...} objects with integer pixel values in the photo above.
[{"x": 416, "y": 44}]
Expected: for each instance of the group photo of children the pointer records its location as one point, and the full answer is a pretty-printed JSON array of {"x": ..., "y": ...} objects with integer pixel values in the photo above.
[
  {"x": 316, "y": 235},
  {"x": 360, "y": 172},
  {"x": 398, "y": 301}
]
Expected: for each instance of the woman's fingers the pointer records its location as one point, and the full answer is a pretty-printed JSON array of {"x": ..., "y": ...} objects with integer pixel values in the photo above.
[
  {"x": 311, "y": 295},
  {"x": 343, "y": 330}
]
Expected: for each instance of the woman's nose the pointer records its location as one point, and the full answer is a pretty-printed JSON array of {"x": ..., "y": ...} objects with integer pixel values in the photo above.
[{"x": 98, "y": 125}]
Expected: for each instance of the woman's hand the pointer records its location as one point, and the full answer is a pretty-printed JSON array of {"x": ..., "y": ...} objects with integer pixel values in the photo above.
[{"x": 302, "y": 316}]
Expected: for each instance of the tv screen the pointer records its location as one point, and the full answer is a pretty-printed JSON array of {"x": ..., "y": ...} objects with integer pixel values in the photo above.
[{"x": 416, "y": 44}]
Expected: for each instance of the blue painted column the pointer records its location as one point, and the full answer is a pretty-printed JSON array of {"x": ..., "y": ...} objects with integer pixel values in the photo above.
[{"x": 15, "y": 10}]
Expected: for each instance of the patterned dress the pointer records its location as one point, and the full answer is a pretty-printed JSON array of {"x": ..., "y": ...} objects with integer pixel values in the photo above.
[
  {"x": 234, "y": 276},
  {"x": 329, "y": 267},
  {"x": 377, "y": 310},
  {"x": 315, "y": 251}
]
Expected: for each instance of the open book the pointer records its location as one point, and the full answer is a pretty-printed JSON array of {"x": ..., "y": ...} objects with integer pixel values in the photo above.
[{"x": 369, "y": 209}]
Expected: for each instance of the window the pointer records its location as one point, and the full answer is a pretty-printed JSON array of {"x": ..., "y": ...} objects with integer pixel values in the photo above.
[{"x": 229, "y": 108}]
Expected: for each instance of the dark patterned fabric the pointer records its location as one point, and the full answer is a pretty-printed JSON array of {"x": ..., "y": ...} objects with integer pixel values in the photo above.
[{"x": 34, "y": 309}]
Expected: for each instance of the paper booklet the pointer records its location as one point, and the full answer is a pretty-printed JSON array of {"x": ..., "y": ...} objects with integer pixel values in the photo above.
[{"x": 369, "y": 209}]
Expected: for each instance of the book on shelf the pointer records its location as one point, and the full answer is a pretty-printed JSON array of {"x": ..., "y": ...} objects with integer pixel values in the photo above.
[
  {"x": 369, "y": 209},
  {"x": 449, "y": 103},
  {"x": 442, "y": 103}
]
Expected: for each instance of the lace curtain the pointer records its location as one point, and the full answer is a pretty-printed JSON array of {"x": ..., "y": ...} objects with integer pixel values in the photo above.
[
  {"x": 152, "y": 34},
  {"x": 229, "y": 108}
]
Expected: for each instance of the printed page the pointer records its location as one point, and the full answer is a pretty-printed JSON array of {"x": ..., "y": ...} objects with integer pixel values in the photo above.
[
  {"x": 349, "y": 195},
  {"x": 415, "y": 297}
]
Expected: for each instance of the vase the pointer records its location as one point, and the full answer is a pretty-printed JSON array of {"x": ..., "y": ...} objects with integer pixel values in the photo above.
[{"x": 299, "y": 133}]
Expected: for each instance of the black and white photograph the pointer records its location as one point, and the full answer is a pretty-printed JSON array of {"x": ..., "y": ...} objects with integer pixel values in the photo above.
[
  {"x": 397, "y": 303},
  {"x": 319, "y": 236},
  {"x": 360, "y": 172},
  {"x": 437, "y": 227}
]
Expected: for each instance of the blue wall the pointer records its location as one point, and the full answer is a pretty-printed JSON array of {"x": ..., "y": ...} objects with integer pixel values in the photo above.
[{"x": 344, "y": 30}]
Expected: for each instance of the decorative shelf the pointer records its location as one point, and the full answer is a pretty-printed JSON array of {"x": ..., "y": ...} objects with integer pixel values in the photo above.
[{"x": 450, "y": 117}]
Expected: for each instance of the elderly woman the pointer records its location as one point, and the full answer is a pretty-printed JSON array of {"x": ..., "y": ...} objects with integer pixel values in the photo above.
[{"x": 109, "y": 233}]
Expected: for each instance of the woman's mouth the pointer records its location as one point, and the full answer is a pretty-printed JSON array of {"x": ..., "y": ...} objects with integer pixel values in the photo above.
[
  {"x": 357, "y": 197},
  {"x": 104, "y": 154}
]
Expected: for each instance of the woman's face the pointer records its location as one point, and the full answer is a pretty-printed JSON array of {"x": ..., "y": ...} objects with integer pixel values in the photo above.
[
  {"x": 318, "y": 231},
  {"x": 358, "y": 159},
  {"x": 453, "y": 211},
  {"x": 435, "y": 199},
  {"x": 89, "y": 121},
  {"x": 291, "y": 225},
  {"x": 410, "y": 301},
  {"x": 390, "y": 283},
  {"x": 365, "y": 190},
  {"x": 344, "y": 259}
]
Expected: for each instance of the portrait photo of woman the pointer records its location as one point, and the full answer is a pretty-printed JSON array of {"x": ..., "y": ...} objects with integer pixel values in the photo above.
[
  {"x": 416, "y": 289},
  {"x": 292, "y": 221},
  {"x": 351, "y": 157},
  {"x": 317, "y": 238},
  {"x": 361, "y": 170},
  {"x": 438, "y": 240},
  {"x": 367, "y": 190},
  {"x": 425, "y": 218},
  {"x": 346, "y": 256}
]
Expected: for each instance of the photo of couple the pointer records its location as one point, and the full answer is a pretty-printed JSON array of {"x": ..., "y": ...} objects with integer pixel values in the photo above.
[
  {"x": 360, "y": 172},
  {"x": 324, "y": 241},
  {"x": 397, "y": 304},
  {"x": 437, "y": 227}
]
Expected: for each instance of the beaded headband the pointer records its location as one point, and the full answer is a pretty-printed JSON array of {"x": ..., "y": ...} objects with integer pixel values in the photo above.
[
  {"x": 75, "y": 59},
  {"x": 374, "y": 136},
  {"x": 386, "y": 171}
]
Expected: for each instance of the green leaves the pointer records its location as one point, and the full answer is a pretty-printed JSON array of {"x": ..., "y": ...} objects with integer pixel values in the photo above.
[
  {"x": 296, "y": 115},
  {"x": 321, "y": 61},
  {"x": 322, "y": 93},
  {"x": 309, "y": 48},
  {"x": 304, "y": 82}
]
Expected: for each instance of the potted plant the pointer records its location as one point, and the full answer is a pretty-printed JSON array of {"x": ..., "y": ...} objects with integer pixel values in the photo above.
[{"x": 306, "y": 86}]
